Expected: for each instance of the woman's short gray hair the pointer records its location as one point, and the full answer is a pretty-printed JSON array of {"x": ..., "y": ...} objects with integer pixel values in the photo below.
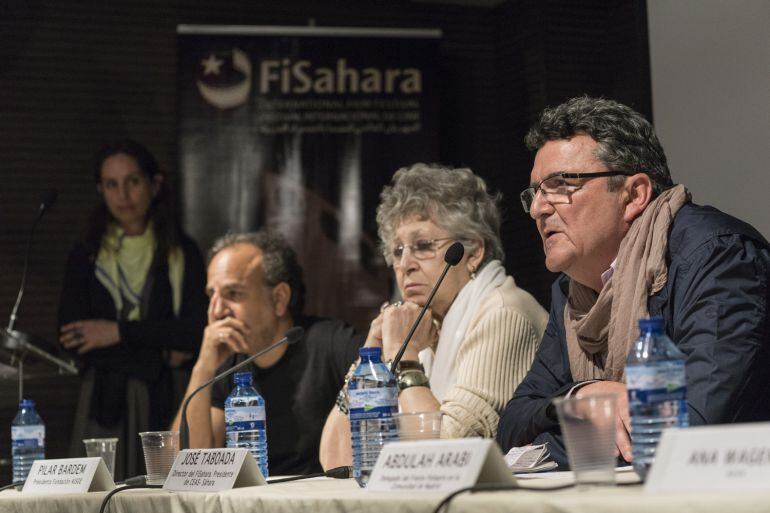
[{"x": 454, "y": 198}]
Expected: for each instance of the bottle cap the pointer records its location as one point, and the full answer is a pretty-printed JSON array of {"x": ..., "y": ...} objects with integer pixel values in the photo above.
[
  {"x": 370, "y": 352},
  {"x": 242, "y": 378},
  {"x": 27, "y": 403},
  {"x": 654, "y": 324}
]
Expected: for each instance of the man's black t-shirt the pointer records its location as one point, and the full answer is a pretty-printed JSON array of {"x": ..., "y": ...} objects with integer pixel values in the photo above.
[{"x": 299, "y": 392}]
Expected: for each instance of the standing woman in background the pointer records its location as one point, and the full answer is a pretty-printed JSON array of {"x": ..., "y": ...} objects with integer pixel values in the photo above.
[{"x": 133, "y": 305}]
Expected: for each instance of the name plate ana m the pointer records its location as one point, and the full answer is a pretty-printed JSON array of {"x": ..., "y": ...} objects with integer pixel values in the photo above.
[
  {"x": 438, "y": 466},
  {"x": 213, "y": 470},
  {"x": 68, "y": 475},
  {"x": 723, "y": 458}
]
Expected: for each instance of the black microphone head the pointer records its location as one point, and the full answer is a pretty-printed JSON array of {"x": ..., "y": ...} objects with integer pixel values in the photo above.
[
  {"x": 294, "y": 334},
  {"x": 454, "y": 254},
  {"x": 48, "y": 199}
]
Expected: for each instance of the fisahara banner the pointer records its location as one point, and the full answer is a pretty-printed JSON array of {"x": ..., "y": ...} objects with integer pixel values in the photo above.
[{"x": 297, "y": 129}]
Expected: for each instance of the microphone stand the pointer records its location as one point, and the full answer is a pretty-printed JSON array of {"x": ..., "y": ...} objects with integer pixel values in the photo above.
[
  {"x": 424, "y": 309},
  {"x": 12, "y": 319},
  {"x": 20, "y": 345},
  {"x": 452, "y": 257},
  {"x": 48, "y": 199},
  {"x": 14, "y": 311},
  {"x": 292, "y": 335}
]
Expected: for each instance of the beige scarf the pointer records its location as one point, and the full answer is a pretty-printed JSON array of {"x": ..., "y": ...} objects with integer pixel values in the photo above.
[{"x": 601, "y": 327}]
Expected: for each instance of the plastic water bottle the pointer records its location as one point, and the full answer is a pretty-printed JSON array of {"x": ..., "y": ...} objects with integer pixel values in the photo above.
[
  {"x": 657, "y": 391},
  {"x": 373, "y": 398},
  {"x": 27, "y": 439},
  {"x": 245, "y": 420}
]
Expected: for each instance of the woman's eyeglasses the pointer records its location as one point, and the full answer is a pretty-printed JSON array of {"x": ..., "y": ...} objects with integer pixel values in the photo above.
[{"x": 421, "y": 249}]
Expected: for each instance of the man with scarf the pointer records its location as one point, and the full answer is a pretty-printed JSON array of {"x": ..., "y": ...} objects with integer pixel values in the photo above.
[{"x": 630, "y": 244}]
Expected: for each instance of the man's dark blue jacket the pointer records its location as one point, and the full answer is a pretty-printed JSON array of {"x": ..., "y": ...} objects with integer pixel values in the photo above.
[{"x": 715, "y": 307}]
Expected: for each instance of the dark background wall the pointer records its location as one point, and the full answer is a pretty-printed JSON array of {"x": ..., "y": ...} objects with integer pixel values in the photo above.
[{"x": 73, "y": 74}]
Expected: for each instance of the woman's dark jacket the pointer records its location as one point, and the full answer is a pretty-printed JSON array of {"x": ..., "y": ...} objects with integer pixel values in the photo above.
[{"x": 140, "y": 353}]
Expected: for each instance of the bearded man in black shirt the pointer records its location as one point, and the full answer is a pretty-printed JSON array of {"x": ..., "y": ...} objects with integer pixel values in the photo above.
[{"x": 256, "y": 294}]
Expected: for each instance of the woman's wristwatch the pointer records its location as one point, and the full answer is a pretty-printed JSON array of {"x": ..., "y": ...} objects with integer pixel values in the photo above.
[
  {"x": 410, "y": 373},
  {"x": 412, "y": 378}
]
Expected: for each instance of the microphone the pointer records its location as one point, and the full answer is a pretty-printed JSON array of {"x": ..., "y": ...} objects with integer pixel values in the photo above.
[
  {"x": 292, "y": 335},
  {"x": 452, "y": 257},
  {"x": 47, "y": 200},
  {"x": 334, "y": 473}
]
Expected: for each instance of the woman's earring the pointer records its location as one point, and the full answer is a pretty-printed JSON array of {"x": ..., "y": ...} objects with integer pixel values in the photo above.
[{"x": 473, "y": 272}]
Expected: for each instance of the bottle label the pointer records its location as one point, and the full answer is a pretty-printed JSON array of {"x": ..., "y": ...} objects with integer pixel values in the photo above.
[
  {"x": 656, "y": 382},
  {"x": 245, "y": 418},
  {"x": 373, "y": 403},
  {"x": 28, "y": 436}
]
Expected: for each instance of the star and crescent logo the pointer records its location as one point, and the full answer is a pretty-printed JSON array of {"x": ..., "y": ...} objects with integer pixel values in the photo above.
[
  {"x": 224, "y": 78},
  {"x": 212, "y": 65}
]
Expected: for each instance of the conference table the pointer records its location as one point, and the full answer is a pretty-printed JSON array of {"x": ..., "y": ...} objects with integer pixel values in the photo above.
[{"x": 330, "y": 495}]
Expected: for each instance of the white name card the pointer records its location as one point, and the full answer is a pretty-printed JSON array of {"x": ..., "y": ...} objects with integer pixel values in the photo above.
[
  {"x": 723, "y": 458},
  {"x": 438, "y": 466},
  {"x": 70, "y": 475},
  {"x": 213, "y": 470}
]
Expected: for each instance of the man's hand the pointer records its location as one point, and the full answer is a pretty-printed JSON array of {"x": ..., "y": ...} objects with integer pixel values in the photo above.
[
  {"x": 622, "y": 418},
  {"x": 396, "y": 323},
  {"x": 89, "y": 334},
  {"x": 221, "y": 339}
]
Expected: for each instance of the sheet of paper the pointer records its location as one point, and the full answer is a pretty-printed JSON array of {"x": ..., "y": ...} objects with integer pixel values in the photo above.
[{"x": 530, "y": 458}]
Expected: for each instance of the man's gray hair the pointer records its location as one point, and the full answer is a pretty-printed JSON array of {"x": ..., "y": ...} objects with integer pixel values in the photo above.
[
  {"x": 279, "y": 262},
  {"x": 455, "y": 199},
  {"x": 627, "y": 141}
]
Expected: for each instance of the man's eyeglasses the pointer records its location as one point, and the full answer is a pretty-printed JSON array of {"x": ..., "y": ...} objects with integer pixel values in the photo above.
[
  {"x": 421, "y": 249},
  {"x": 559, "y": 187}
]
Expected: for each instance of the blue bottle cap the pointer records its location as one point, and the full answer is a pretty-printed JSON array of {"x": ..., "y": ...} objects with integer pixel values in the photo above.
[
  {"x": 27, "y": 403},
  {"x": 370, "y": 352},
  {"x": 654, "y": 324},
  {"x": 242, "y": 378}
]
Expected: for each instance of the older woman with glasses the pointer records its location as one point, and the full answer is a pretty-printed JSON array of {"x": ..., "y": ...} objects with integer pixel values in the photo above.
[{"x": 478, "y": 339}]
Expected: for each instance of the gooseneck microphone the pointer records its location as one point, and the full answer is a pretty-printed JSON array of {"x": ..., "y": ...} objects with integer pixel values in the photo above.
[
  {"x": 292, "y": 335},
  {"x": 47, "y": 200},
  {"x": 452, "y": 257}
]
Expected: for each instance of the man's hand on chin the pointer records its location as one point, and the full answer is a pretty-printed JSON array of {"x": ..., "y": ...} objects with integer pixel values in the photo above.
[
  {"x": 221, "y": 339},
  {"x": 622, "y": 417}
]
